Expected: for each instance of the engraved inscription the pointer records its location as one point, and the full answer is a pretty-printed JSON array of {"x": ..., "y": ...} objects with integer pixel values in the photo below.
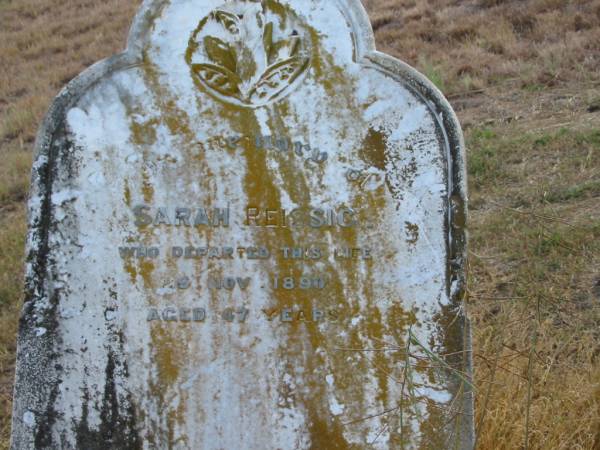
[
  {"x": 242, "y": 315},
  {"x": 311, "y": 253},
  {"x": 300, "y": 217},
  {"x": 172, "y": 314},
  {"x": 289, "y": 283},
  {"x": 181, "y": 216},
  {"x": 278, "y": 143},
  {"x": 289, "y": 315}
]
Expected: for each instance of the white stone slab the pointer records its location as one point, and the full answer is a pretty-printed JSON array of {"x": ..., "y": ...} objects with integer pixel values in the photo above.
[{"x": 156, "y": 181}]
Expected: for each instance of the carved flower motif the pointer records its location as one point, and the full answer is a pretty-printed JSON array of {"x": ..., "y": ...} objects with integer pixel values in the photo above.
[{"x": 249, "y": 53}]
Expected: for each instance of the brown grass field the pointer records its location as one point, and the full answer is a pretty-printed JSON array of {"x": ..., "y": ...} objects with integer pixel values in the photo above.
[{"x": 524, "y": 78}]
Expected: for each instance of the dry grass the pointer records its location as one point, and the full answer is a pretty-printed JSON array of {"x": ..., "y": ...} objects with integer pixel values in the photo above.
[
  {"x": 472, "y": 44},
  {"x": 524, "y": 77},
  {"x": 534, "y": 288}
]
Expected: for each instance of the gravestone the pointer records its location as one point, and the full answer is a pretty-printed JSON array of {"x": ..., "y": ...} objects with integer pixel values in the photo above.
[{"x": 246, "y": 233}]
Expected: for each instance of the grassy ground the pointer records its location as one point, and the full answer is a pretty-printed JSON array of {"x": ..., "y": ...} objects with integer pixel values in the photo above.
[{"x": 524, "y": 77}]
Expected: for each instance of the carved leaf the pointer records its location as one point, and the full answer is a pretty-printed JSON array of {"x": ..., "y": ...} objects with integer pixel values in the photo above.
[
  {"x": 294, "y": 44},
  {"x": 218, "y": 78},
  {"x": 229, "y": 58},
  {"x": 221, "y": 53},
  {"x": 260, "y": 19},
  {"x": 268, "y": 38},
  {"x": 228, "y": 20},
  {"x": 278, "y": 77},
  {"x": 285, "y": 48}
]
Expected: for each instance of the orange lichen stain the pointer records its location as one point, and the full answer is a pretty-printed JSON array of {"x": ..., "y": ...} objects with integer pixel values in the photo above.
[
  {"x": 177, "y": 120},
  {"x": 379, "y": 360},
  {"x": 127, "y": 194},
  {"x": 346, "y": 285},
  {"x": 131, "y": 270},
  {"x": 147, "y": 186},
  {"x": 168, "y": 341},
  {"x": 374, "y": 149},
  {"x": 412, "y": 231},
  {"x": 145, "y": 269},
  {"x": 263, "y": 193},
  {"x": 168, "y": 351},
  {"x": 340, "y": 88},
  {"x": 323, "y": 67},
  {"x": 143, "y": 133},
  {"x": 327, "y": 434},
  {"x": 378, "y": 328},
  {"x": 279, "y": 9}
]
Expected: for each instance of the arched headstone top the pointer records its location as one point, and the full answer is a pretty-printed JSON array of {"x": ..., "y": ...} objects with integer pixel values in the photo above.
[
  {"x": 340, "y": 27},
  {"x": 333, "y": 13},
  {"x": 344, "y": 26}
]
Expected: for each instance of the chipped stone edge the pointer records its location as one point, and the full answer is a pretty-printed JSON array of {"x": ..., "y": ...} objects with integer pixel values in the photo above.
[{"x": 35, "y": 354}]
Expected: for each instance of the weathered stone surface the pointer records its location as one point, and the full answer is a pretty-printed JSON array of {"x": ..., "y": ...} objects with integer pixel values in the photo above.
[{"x": 246, "y": 232}]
